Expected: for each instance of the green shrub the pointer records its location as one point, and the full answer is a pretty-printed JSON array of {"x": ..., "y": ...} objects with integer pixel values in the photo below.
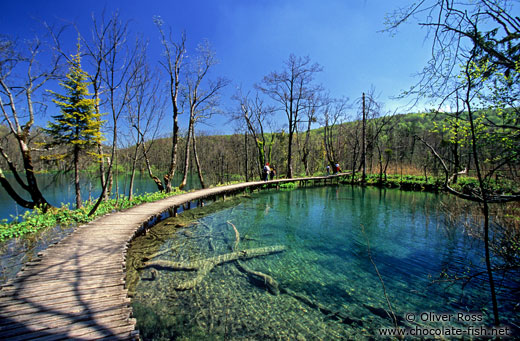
[{"x": 288, "y": 185}]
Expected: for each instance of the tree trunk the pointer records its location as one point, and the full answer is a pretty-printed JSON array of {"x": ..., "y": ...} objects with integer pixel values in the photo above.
[
  {"x": 289, "y": 156},
  {"x": 246, "y": 156},
  {"x": 32, "y": 186},
  {"x": 12, "y": 193},
  {"x": 380, "y": 164},
  {"x": 99, "y": 145},
  {"x": 485, "y": 207},
  {"x": 102, "y": 167},
  {"x": 187, "y": 154},
  {"x": 109, "y": 170},
  {"x": 168, "y": 178},
  {"x": 364, "y": 145},
  {"x": 306, "y": 151},
  {"x": 386, "y": 166},
  {"x": 132, "y": 175},
  {"x": 110, "y": 179},
  {"x": 76, "y": 177},
  {"x": 197, "y": 162},
  {"x": 155, "y": 179}
]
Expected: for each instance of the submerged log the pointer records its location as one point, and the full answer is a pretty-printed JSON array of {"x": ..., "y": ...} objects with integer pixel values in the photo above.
[
  {"x": 332, "y": 314},
  {"x": 268, "y": 281},
  {"x": 204, "y": 266},
  {"x": 162, "y": 263},
  {"x": 237, "y": 236},
  {"x": 157, "y": 254}
]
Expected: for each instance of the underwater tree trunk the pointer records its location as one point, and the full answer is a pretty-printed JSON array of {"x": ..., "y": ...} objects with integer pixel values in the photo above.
[{"x": 204, "y": 266}]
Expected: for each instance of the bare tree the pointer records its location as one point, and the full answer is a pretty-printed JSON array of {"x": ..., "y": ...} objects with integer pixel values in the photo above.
[
  {"x": 315, "y": 104},
  {"x": 353, "y": 145},
  {"x": 454, "y": 28},
  {"x": 257, "y": 118},
  {"x": 293, "y": 90},
  {"x": 202, "y": 99},
  {"x": 145, "y": 113},
  {"x": 117, "y": 75},
  {"x": 334, "y": 115},
  {"x": 174, "y": 53},
  {"x": 97, "y": 51},
  {"x": 21, "y": 82}
]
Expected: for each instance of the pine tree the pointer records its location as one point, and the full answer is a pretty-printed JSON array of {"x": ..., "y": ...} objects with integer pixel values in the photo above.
[{"x": 77, "y": 129}]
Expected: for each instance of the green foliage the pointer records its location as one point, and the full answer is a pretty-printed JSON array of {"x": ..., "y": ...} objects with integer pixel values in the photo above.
[
  {"x": 77, "y": 126},
  {"x": 288, "y": 186},
  {"x": 407, "y": 182},
  {"x": 32, "y": 221}
]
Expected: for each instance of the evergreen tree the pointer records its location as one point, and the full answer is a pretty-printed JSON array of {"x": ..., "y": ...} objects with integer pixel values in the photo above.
[{"x": 77, "y": 129}]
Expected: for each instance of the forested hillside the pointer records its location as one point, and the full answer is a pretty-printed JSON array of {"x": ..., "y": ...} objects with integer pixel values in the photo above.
[{"x": 393, "y": 147}]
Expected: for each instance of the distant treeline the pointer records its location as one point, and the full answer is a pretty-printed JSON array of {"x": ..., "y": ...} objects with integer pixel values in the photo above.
[{"x": 392, "y": 148}]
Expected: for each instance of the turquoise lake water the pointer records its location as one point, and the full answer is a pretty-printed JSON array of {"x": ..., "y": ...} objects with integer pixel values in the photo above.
[{"x": 329, "y": 288}]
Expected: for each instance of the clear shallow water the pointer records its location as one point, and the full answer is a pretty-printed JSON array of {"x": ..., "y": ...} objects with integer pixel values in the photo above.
[{"x": 325, "y": 274}]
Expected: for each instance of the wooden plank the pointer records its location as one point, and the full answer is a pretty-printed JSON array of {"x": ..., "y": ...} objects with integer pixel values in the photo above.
[
  {"x": 95, "y": 328},
  {"x": 66, "y": 276},
  {"x": 27, "y": 274},
  {"x": 9, "y": 323},
  {"x": 125, "y": 330},
  {"x": 65, "y": 310},
  {"x": 21, "y": 295},
  {"x": 54, "y": 320},
  {"x": 34, "y": 292},
  {"x": 54, "y": 283},
  {"x": 96, "y": 259},
  {"x": 62, "y": 297}
]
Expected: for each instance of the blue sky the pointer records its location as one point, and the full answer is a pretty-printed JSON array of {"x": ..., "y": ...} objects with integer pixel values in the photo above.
[{"x": 253, "y": 38}]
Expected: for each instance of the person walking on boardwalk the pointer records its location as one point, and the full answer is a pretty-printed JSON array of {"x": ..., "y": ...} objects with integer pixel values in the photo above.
[
  {"x": 336, "y": 168},
  {"x": 272, "y": 174},
  {"x": 328, "y": 170},
  {"x": 265, "y": 172}
]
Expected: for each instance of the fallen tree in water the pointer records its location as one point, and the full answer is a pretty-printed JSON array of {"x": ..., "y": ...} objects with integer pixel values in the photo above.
[
  {"x": 204, "y": 266},
  {"x": 268, "y": 281}
]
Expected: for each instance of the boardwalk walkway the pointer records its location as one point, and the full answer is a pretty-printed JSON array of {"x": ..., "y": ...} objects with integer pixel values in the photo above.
[{"x": 76, "y": 288}]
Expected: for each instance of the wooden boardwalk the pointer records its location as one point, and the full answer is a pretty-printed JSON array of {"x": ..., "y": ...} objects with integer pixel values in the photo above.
[{"x": 76, "y": 288}]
